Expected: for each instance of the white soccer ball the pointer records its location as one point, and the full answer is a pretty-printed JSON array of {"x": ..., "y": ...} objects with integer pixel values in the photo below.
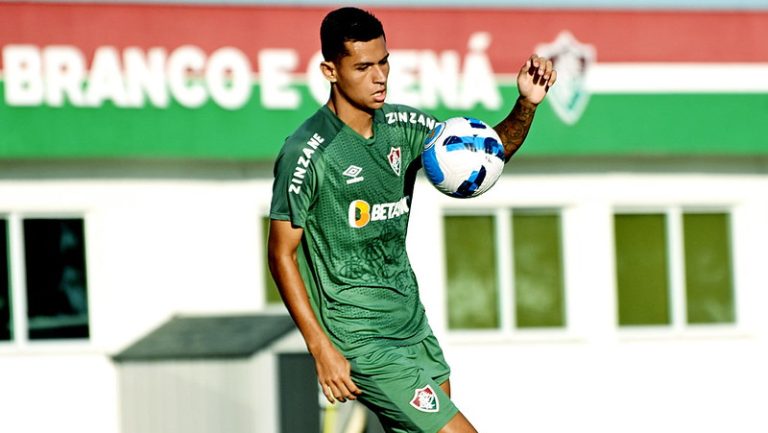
[{"x": 463, "y": 157}]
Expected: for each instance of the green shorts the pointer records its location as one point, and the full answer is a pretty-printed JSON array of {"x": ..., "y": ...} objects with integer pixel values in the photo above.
[{"x": 401, "y": 385}]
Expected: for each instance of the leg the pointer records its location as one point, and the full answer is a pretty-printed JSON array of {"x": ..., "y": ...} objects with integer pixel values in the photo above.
[
  {"x": 404, "y": 396},
  {"x": 457, "y": 424},
  {"x": 446, "y": 387}
]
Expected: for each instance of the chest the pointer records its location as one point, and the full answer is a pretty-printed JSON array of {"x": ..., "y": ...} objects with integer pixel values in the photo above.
[{"x": 367, "y": 170}]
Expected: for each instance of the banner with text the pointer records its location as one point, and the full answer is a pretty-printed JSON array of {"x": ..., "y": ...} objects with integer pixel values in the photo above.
[{"x": 216, "y": 82}]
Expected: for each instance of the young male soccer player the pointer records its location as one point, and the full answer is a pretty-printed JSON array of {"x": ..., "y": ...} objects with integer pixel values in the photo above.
[{"x": 339, "y": 214}]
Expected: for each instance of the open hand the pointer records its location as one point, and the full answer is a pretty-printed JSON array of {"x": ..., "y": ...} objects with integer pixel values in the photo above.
[{"x": 535, "y": 78}]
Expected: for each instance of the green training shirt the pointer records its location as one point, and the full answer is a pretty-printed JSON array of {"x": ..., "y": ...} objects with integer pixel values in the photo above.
[{"x": 352, "y": 197}]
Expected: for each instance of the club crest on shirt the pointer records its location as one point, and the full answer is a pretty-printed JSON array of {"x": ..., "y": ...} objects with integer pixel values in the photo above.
[
  {"x": 395, "y": 159},
  {"x": 425, "y": 400}
]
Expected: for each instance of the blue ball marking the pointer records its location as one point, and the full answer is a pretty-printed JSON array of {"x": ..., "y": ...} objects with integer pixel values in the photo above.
[
  {"x": 455, "y": 142},
  {"x": 471, "y": 184},
  {"x": 488, "y": 145},
  {"x": 493, "y": 147},
  {"x": 432, "y": 166},
  {"x": 476, "y": 123}
]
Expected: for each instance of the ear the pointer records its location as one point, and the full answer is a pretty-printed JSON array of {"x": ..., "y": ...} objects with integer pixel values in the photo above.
[{"x": 329, "y": 71}]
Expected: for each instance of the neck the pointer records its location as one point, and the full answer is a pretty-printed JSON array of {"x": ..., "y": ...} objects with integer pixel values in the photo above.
[{"x": 359, "y": 120}]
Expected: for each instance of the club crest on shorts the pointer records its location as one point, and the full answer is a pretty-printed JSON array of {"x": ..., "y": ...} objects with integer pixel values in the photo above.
[
  {"x": 395, "y": 159},
  {"x": 425, "y": 400}
]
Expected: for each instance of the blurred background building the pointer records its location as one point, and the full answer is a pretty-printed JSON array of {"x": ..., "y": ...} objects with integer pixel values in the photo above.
[{"x": 614, "y": 279}]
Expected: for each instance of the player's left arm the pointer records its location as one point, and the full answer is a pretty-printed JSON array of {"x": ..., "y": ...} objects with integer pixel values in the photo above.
[{"x": 535, "y": 78}]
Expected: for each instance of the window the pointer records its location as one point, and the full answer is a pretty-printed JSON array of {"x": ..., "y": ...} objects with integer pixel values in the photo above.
[
  {"x": 641, "y": 269},
  {"x": 538, "y": 270},
  {"x": 47, "y": 255},
  {"x": 473, "y": 290},
  {"x": 57, "y": 301},
  {"x": 480, "y": 251},
  {"x": 708, "y": 273},
  {"x": 5, "y": 293},
  {"x": 673, "y": 268}
]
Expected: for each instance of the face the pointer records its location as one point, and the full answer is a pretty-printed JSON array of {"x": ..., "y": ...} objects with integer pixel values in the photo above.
[{"x": 361, "y": 77}]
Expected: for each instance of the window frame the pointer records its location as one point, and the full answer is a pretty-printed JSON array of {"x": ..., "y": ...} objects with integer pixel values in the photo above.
[
  {"x": 675, "y": 245},
  {"x": 505, "y": 273},
  {"x": 18, "y": 285}
]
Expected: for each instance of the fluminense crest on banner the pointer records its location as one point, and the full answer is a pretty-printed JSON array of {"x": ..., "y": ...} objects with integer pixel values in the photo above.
[{"x": 572, "y": 60}]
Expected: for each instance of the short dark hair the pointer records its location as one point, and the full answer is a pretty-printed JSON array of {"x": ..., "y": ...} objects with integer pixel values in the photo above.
[{"x": 344, "y": 25}]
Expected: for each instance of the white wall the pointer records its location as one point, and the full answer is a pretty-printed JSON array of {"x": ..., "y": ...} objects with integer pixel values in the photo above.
[
  {"x": 198, "y": 396},
  {"x": 57, "y": 390},
  {"x": 154, "y": 249},
  {"x": 160, "y": 247},
  {"x": 593, "y": 376}
]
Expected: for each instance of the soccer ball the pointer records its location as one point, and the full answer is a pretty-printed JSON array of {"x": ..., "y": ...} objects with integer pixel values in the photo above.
[{"x": 463, "y": 157}]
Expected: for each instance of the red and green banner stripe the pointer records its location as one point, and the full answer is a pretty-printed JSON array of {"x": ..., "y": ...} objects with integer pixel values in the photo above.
[{"x": 230, "y": 82}]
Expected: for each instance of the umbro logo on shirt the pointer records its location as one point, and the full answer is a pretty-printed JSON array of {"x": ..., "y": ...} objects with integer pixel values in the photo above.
[{"x": 353, "y": 173}]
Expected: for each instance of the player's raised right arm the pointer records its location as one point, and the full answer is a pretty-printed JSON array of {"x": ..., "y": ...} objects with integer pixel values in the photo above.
[{"x": 333, "y": 370}]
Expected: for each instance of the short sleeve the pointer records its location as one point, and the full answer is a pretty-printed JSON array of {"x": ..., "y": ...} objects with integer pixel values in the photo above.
[
  {"x": 417, "y": 129},
  {"x": 293, "y": 190}
]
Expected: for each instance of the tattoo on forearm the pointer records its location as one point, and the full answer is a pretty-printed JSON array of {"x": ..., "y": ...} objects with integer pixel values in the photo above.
[{"x": 515, "y": 127}]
